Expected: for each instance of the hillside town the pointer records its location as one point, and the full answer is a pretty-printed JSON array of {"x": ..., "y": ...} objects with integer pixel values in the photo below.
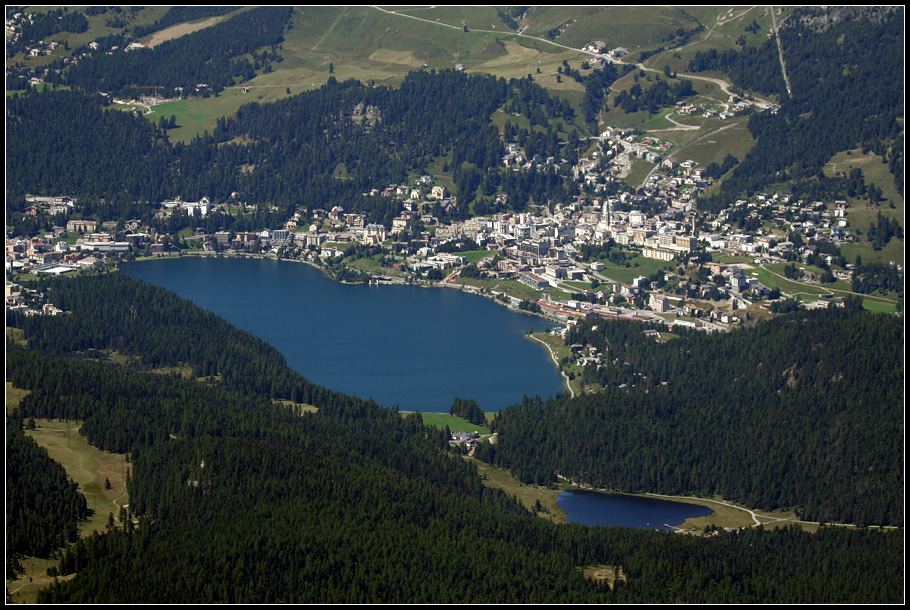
[{"x": 550, "y": 249}]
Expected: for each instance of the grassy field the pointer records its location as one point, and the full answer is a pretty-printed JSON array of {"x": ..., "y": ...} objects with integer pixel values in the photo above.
[
  {"x": 198, "y": 115},
  {"x": 376, "y": 45},
  {"x": 727, "y": 21},
  {"x": 89, "y": 467},
  {"x": 300, "y": 407},
  {"x": 640, "y": 171},
  {"x": 659, "y": 122},
  {"x": 639, "y": 266},
  {"x": 371, "y": 265},
  {"x": 13, "y": 395},
  {"x": 441, "y": 420},
  {"x": 477, "y": 255},
  {"x": 370, "y": 45},
  {"x": 894, "y": 251},
  {"x": 875, "y": 171},
  {"x": 528, "y": 495},
  {"x": 860, "y": 214},
  {"x": 724, "y": 25},
  {"x": 632, "y": 27},
  {"x": 771, "y": 275},
  {"x": 736, "y": 140},
  {"x": 156, "y": 38}
]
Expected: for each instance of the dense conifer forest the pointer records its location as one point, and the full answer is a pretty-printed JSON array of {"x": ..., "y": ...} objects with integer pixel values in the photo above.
[
  {"x": 803, "y": 411},
  {"x": 237, "y": 499},
  {"x": 213, "y": 56}
]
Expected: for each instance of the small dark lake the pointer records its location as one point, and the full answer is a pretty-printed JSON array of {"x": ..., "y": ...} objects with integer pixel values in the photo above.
[
  {"x": 417, "y": 348},
  {"x": 597, "y": 508}
]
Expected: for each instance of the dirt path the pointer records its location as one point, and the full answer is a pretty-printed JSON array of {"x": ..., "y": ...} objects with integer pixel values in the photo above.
[
  {"x": 182, "y": 29},
  {"x": 780, "y": 52},
  {"x": 556, "y": 362},
  {"x": 498, "y": 32},
  {"x": 679, "y": 126}
]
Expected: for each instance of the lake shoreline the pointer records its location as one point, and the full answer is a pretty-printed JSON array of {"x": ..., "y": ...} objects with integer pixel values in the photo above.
[
  {"x": 374, "y": 280},
  {"x": 379, "y": 281}
]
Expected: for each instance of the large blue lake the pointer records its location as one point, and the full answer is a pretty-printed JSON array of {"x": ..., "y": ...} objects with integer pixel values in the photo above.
[
  {"x": 596, "y": 508},
  {"x": 417, "y": 348}
]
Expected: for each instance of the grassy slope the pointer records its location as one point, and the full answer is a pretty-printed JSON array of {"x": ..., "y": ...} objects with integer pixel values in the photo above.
[
  {"x": 370, "y": 45},
  {"x": 455, "y": 424},
  {"x": 87, "y": 466},
  {"x": 632, "y": 27},
  {"x": 860, "y": 214}
]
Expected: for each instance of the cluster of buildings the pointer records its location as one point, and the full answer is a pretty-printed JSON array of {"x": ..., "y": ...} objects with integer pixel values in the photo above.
[
  {"x": 600, "y": 47},
  {"x": 13, "y": 27},
  {"x": 540, "y": 250},
  {"x": 44, "y": 256},
  {"x": 30, "y": 303}
]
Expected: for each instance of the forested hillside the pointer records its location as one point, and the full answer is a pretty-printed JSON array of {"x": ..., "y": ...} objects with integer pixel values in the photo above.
[
  {"x": 314, "y": 150},
  {"x": 240, "y": 500},
  {"x": 803, "y": 411},
  {"x": 834, "y": 65}
]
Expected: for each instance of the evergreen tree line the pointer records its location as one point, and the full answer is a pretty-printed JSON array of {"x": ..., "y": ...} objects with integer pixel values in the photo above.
[
  {"x": 870, "y": 277},
  {"x": 658, "y": 96},
  {"x": 181, "y": 14},
  {"x": 213, "y": 56},
  {"x": 752, "y": 68},
  {"x": 716, "y": 170},
  {"x": 467, "y": 408},
  {"x": 528, "y": 96},
  {"x": 43, "y": 507},
  {"x": 174, "y": 333},
  {"x": 121, "y": 165},
  {"x": 882, "y": 229}
]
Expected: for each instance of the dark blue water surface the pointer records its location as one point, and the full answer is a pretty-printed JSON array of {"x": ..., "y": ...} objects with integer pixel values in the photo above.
[
  {"x": 417, "y": 348},
  {"x": 596, "y": 508}
]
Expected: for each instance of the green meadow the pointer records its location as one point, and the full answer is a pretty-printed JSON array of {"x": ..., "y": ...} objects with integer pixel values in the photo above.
[
  {"x": 101, "y": 477},
  {"x": 638, "y": 266},
  {"x": 455, "y": 424}
]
